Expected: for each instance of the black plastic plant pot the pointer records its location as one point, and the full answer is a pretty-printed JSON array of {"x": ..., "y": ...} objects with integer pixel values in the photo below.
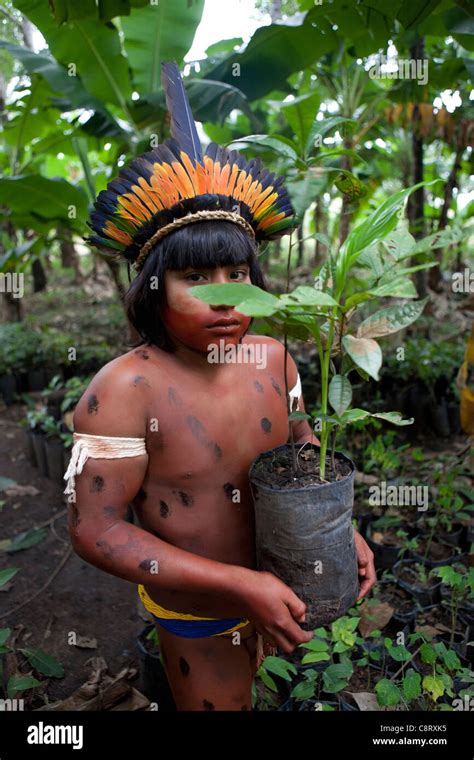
[
  {"x": 155, "y": 684},
  {"x": 30, "y": 449},
  {"x": 406, "y": 576},
  {"x": 305, "y": 537},
  {"x": 439, "y": 420},
  {"x": 7, "y": 388},
  {"x": 54, "y": 457},
  {"x": 37, "y": 379},
  {"x": 451, "y": 556},
  {"x": 384, "y": 554},
  {"x": 40, "y": 453},
  {"x": 405, "y": 606},
  {"x": 454, "y": 417}
]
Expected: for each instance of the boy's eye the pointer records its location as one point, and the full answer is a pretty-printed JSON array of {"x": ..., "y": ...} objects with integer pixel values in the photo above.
[{"x": 238, "y": 274}]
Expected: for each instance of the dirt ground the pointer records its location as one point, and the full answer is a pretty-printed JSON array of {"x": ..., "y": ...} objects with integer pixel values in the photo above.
[{"x": 80, "y": 598}]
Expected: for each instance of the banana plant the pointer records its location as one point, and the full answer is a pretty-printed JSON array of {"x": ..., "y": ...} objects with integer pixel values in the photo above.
[{"x": 378, "y": 255}]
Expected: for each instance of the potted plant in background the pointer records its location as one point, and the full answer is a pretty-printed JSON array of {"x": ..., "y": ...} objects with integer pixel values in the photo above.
[{"x": 304, "y": 498}]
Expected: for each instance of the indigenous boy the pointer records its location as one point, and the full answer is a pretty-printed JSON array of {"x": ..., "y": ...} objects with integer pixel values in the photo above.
[
  {"x": 175, "y": 432},
  {"x": 203, "y": 424}
]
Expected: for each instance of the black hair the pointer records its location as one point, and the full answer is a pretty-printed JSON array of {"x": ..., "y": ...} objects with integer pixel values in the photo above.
[{"x": 203, "y": 245}]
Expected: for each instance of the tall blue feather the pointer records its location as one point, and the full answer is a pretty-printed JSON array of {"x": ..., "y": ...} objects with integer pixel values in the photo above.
[{"x": 183, "y": 128}]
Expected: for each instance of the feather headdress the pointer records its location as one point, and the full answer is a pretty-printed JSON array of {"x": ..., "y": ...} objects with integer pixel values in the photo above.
[{"x": 175, "y": 184}]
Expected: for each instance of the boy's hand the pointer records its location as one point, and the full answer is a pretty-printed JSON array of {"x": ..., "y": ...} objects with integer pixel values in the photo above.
[
  {"x": 274, "y": 608},
  {"x": 365, "y": 562}
]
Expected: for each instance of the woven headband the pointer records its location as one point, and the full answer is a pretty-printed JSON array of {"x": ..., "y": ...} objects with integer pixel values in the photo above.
[{"x": 175, "y": 184}]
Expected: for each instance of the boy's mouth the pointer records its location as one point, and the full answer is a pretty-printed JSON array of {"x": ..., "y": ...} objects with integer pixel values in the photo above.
[{"x": 224, "y": 325}]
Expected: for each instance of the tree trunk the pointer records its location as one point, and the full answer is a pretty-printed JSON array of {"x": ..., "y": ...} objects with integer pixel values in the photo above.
[
  {"x": 320, "y": 225},
  {"x": 417, "y": 198},
  {"x": 39, "y": 276},
  {"x": 464, "y": 133},
  {"x": 69, "y": 258},
  {"x": 114, "y": 267}
]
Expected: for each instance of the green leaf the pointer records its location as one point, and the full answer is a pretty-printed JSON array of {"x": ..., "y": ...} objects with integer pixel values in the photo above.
[
  {"x": 340, "y": 393},
  {"x": 52, "y": 199},
  {"x": 321, "y": 128},
  {"x": 7, "y": 574},
  {"x": 387, "y": 321},
  {"x": 399, "y": 287},
  {"x": 234, "y": 294},
  {"x": 365, "y": 353},
  {"x": 44, "y": 663},
  {"x": 316, "y": 645},
  {"x": 18, "y": 683},
  {"x": 376, "y": 226},
  {"x": 387, "y": 693},
  {"x": 304, "y": 295},
  {"x": 281, "y": 145},
  {"x": 4, "y": 635},
  {"x": 300, "y": 113},
  {"x": 399, "y": 243},
  {"x": 435, "y": 686},
  {"x": 161, "y": 31},
  {"x": 27, "y": 539},
  {"x": 267, "y": 680},
  {"x": 315, "y": 657},
  {"x": 411, "y": 684},
  {"x": 303, "y": 690},
  {"x": 394, "y": 417},
  {"x": 94, "y": 49},
  {"x": 6, "y": 483},
  {"x": 280, "y": 667},
  {"x": 303, "y": 191}
]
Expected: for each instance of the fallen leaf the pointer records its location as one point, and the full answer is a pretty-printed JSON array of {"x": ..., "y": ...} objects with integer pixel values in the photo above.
[
  {"x": 428, "y": 630},
  {"x": 374, "y": 616},
  {"x": 365, "y": 700}
]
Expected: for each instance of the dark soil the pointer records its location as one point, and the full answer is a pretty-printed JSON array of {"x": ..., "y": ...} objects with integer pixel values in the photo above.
[
  {"x": 396, "y": 597},
  {"x": 277, "y": 470},
  {"x": 81, "y": 599},
  {"x": 410, "y": 576},
  {"x": 438, "y": 551},
  {"x": 387, "y": 537}
]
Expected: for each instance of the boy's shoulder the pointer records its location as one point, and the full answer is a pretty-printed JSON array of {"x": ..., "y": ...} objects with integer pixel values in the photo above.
[{"x": 115, "y": 398}]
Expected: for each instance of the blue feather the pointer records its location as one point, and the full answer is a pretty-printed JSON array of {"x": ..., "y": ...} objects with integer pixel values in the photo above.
[{"x": 183, "y": 128}]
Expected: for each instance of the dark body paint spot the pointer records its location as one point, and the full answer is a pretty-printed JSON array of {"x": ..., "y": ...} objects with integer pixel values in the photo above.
[
  {"x": 198, "y": 431},
  {"x": 92, "y": 404},
  {"x": 186, "y": 499},
  {"x": 164, "y": 509},
  {"x": 145, "y": 564},
  {"x": 142, "y": 353},
  {"x": 229, "y": 489},
  {"x": 208, "y": 705},
  {"x": 97, "y": 484},
  {"x": 276, "y": 386},
  {"x": 266, "y": 424},
  {"x": 140, "y": 379},
  {"x": 258, "y": 386}
]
